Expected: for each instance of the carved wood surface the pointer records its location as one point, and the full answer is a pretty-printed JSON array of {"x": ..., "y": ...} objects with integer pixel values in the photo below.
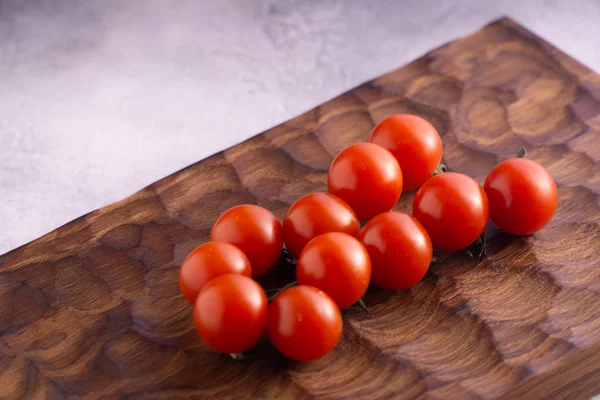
[{"x": 93, "y": 310}]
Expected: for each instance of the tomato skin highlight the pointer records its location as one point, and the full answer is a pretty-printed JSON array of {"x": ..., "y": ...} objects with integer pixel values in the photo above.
[
  {"x": 367, "y": 177},
  {"x": 304, "y": 323},
  {"x": 414, "y": 142},
  {"x": 254, "y": 230},
  {"x": 400, "y": 250},
  {"x": 522, "y": 195},
  {"x": 231, "y": 313},
  {"x": 453, "y": 209},
  {"x": 315, "y": 214},
  {"x": 208, "y": 261},
  {"x": 338, "y": 264}
]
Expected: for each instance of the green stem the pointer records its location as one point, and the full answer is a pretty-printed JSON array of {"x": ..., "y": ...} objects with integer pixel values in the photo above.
[
  {"x": 279, "y": 290},
  {"x": 241, "y": 356},
  {"x": 478, "y": 248},
  {"x": 286, "y": 258},
  {"x": 440, "y": 169},
  {"x": 361, "y": 304},
  {"x": 522, "y": 153}
]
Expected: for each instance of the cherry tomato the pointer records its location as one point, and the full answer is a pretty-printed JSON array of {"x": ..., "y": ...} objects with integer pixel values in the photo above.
[
  {"x": 367, "y": 177},
  {"x": 255, "y": 231},
  {"x": 414, "y": 142},
  {"x": 338, "y": 264},
  {"x": 522, "y": 196},
  {"x": 399, "y": 248},
  {"x": 304, "y": 323},
  {"x": 314, "y": 214},
  {"x": 453, "y": 209},
  {"x": 230, "y": 313},
  {"x": 208, "y": 261}
]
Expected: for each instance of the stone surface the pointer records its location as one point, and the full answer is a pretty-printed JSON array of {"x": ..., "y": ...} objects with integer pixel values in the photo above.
[{"x": 99, "y": 99}]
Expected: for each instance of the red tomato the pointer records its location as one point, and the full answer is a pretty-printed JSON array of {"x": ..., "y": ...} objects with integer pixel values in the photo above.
[
  {"x": 338, "y": 264},
  {"x": 399, "y": 248},
  {"x": 304, "y": 323},
  {"x": 453, "y": 209},
  {"x": 414, "y": 142},
  {"x": 522, "y": 196},
  {"x": 367, "y": 177},
  {"x": 314, "y": 214},
  {"x": 208, "y": 261},
  {"x": 255, "y": 231},
  {"x": 230, "y": 313}
]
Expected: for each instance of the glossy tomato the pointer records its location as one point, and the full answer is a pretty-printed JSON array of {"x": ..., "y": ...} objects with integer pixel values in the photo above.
[
  {"x": 399, "y": 248},
  {"x": 230, "y": 313},
  {"x": 414, "y": 142},
  {"x": 522, "y": 196},
  {"x": 314, "y": 214},
  {"x": 453, "y": 209},
  {"x": 367, "y": 177},
  {"x": 338, "y": 264},
  {"x": 304, "y": 323},
  {"x": 208, "y": 261},
  {"x": 255, "y": 231}
]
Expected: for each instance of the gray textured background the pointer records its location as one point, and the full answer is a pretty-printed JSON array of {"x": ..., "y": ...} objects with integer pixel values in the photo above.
[{"x": 100, "y": 98}]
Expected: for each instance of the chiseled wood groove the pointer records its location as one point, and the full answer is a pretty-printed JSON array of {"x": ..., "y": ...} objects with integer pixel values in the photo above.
[{"x": 92, "y": 310}]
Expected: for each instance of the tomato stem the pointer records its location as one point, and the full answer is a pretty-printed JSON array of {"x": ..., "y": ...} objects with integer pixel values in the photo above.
[
  {"x": 522, "y": 153},
  {"x": 286, "y": 257},
  {"x": 478, "y": 248},
  {"x": 281, "y": 289},
  {"x": 440, "y": 169},
  {"x": 241, "y": 356},
  {"x": 361, "y": 304}
]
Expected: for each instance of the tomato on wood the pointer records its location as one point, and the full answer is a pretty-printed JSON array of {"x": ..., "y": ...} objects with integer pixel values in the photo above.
[
  {"x": 414, "y": 142},
  {"x": 338, "y": 264},
  {"x": 230, "y": 313},
  {"x": 367, "y": 177},
  {"x": 315, "y": 214},
  {"x": 304, "y": 323},
  {"x": 522, "y": 196},
  {"x": 453, "y": 209},
  {"x": 255, "y": 231},
  {"x": 207, "y": 262},
  {"x": 399, "y": 248}
]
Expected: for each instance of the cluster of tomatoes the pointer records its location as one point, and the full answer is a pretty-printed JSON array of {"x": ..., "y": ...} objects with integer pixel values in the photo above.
[{"x": 336, "y": 258}]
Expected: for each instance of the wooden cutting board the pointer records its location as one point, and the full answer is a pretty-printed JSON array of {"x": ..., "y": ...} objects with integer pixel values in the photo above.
[{"x": 93, "y": 309}]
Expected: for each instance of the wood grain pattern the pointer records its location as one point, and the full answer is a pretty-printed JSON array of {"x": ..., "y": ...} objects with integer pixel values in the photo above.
[{"x": 92, "y": 310}]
